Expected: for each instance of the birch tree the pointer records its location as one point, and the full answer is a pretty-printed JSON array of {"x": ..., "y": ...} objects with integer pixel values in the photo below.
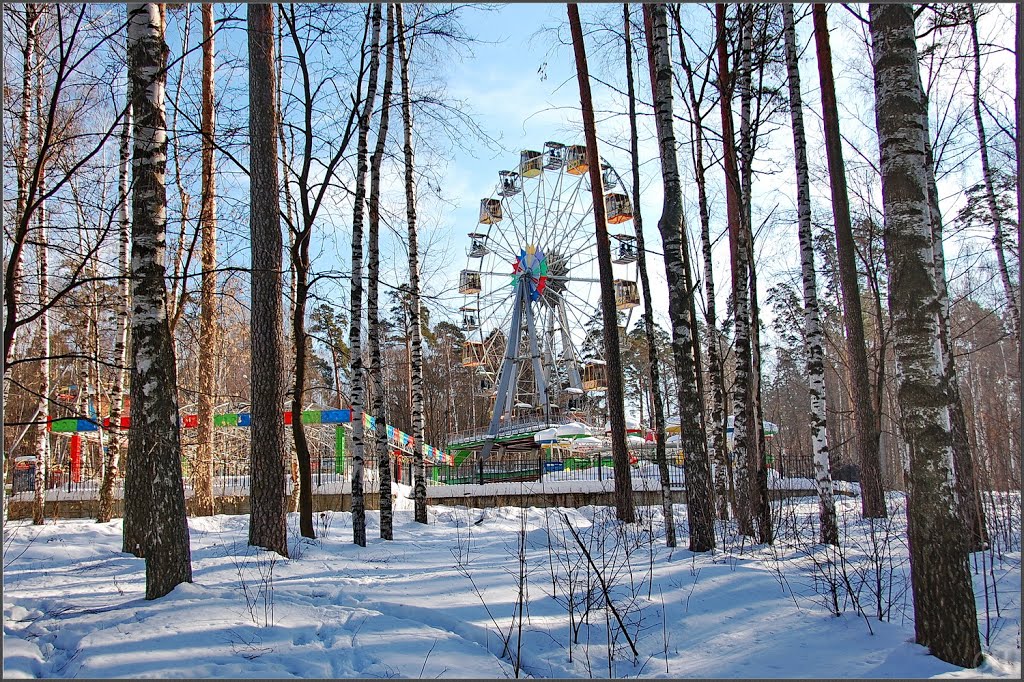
[
  {"x": 154, "y": 448},
  {"x": 743, "y": 454},
  {"x": 641, "y": 250},
  {"x": 719, "y": 454},
  {"x": 267, "y": 521},
  {"x": 813, "y": 338},
  {"x": 373, "y": 287},
  {"x": 945, "y": 618},
  {"x": 358, "y": 505},
  {"x": 113, "y": 455},
  {"x": 416, "y": 334},
  {"x": 700, "y": 504}
]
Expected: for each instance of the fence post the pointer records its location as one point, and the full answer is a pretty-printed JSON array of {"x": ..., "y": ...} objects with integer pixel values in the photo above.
[
  {"x": 480, "y": 463},
  {"x": 540, "y": 467},
  {"x": 600, "y": 469}
]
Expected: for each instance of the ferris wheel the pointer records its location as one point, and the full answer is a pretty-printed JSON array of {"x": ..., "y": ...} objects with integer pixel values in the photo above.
[{"x": 531, "y": 285}]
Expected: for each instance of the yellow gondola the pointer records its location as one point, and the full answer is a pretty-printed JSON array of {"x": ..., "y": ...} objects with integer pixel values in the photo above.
[
  {"x": 627, "y": 294},
  {"x": 531, "y": 163},
  {"x": 473, "y": 354},
  {"x": 595, "y": 376},
  {"x": 490, "y": 211}
]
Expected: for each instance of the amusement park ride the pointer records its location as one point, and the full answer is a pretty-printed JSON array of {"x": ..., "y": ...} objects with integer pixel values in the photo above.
[{"x": 530, "y": 284}]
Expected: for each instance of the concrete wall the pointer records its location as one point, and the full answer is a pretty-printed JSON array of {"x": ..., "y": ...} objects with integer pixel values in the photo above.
[{"x": 85, "y": 509}]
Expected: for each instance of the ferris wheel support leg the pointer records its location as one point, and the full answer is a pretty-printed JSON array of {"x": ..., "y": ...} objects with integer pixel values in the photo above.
[
  {"x": 575, "y": 381},
  {"x": 538, "y": 372},
  {"x": 507, "y": 367}
]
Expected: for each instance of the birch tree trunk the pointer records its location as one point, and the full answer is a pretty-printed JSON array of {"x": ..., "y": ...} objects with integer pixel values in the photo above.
[
  {"x": 358, "y": 504},
  {"x": 813, "y": 337},
  {"x": 719, "y": 453},
  {"x": 652, "y": 345},
  {"x": 999, "y": 237},
  {"x": 208, "y": 286},
  {"x": 113, "y": 455},
  {"x": 700, "y": 505},
  {"x": 416, "y": 332},
  {"x": 41, "y": 436},
  {"x": 740, "y": 290},
  {"x": 268, "y": 487},
  {"x": 373, "y": 288},
  {"x": 12, "y": 287},
  {"x": 872, "y": 496},
  {"x": 154, "y": 448},
  {"x": 42, "y": 346},
  {"x": 971, "y": 508},
  {"x": 945, "y": 618},
  {"x": 616, "y": 414}
]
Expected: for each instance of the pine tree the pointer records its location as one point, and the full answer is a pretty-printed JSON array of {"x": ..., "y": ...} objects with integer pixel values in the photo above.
[
  {"x": 267, "y": 521},
  {"x": 208, "y": 286},
  {"x": 865, "y": 416}
]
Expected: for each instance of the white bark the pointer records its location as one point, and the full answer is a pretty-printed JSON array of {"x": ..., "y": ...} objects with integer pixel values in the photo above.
[{"x": 813, "y": 338}]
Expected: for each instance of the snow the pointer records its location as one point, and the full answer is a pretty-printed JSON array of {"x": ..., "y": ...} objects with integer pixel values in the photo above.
[{"x": 439, "y": 600}]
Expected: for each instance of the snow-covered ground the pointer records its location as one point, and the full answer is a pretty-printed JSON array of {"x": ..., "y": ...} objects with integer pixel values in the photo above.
[{"x": 443, "y": 600}]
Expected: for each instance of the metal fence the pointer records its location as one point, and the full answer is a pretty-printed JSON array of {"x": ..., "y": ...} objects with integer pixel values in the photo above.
[{"x": 232, "y": 477}]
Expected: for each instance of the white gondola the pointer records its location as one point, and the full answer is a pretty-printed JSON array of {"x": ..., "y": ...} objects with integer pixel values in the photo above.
[
  {"x": 555, "y": 153},
  {"x": 626, "y": 252},
  {"x": 509, "y": 183},
  {"x": 478, "y": 245},
  {"x": 470, "y": 322}
]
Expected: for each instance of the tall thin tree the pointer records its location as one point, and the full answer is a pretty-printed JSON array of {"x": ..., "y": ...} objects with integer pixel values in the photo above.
[
  {"x": 113, "y": 454},
  {"x": 373, "y": 287},
  {"x": 945, "y": 617},
  {"x": 208, "y": 285},
  {"x": 415, "y": 313},
  {"x": 813, "y": 338},
  {"x": 865, "y": 418},
  {"x": 358, "y": 504},
  {"x": 744, "y": 452},
  {"x": 661, "y": 455},
  {"x": 998, "y": 236},
  {"x": 624, "y": 507},
  {"x": 700, "y": 503},
  {"x": 267, "y": 520},
  {"x": 719, "y": 454},
  {"x": 153, "y": 442}
]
